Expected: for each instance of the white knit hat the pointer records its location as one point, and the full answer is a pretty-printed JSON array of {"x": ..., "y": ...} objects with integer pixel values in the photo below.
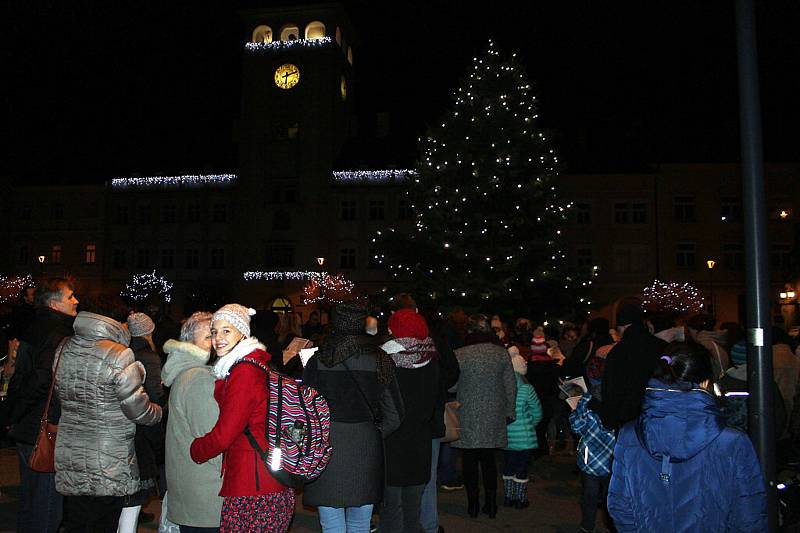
[
  {"x": 237, "y": 315},
  {"x": 139, "y": 324}
]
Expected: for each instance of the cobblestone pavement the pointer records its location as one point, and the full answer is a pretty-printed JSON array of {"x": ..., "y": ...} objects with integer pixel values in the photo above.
[{"x": 553, "y": 493}]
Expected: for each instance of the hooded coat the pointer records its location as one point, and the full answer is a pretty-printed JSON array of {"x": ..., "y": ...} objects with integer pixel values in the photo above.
[
  {"x": 679, "y": 469},
  {"x": 193, "y": 488},
  {"x": 102, "y": 399}
]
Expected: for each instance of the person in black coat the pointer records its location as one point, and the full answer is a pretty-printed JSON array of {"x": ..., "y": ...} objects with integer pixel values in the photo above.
[{"x": 628, "y": 367}]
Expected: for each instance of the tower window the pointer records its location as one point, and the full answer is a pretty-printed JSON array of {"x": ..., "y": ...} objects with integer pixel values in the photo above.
[
  {"x": 315, "y": 30},
  {"x": 262, "y": 34},
  {"x": 290, "y": 32}
]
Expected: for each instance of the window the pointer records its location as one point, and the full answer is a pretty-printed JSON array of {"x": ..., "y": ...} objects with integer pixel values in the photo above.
[
  {"x": 262, "y": 34},
  {"x": 629, "y": 258},
  {"x": 733, "y": 256},
  {"x": 193, "y": 213},
  {"x": 279, "y": 256},
  {"x": 583, "y": 214},
  {"x": 373, "y": 260},
  {"x": 217, "y": 258},
  {"x": 731, "y": 210},
  {"x": 621, "y": 214},
  {"x": 91, "y": 254},
  {"x": 290, "y": 194},
  {"x": 625, "y": 213},
  {"x": 315, "y": 30},
  {"x": 347, "y": 259},
  {"x": 684, "y": 209},
  {"x": 167, "y": 258},
  {"x": 55, "y": 254},
  {"x": 22, "y": 258},
  {"x": 281, "y": 221},
  {"x": 121, "y": 216},
  {"x": 168, "y": 214},
  {"x": 57, "y": 212},
  {"x": 142, "y": 258},
  {"x": 145, "y": 214},
  {"x": 347, "y": 210},
  {"x": 25, "y": 212},
  {"x": 404, "y": 211},
  {"x": 118, "y": 259},
  {"x": 781, "y": 257},
  {"x": 639, "y": 213},
  {"x": 192, "y": 257},
  {"x": 220, "y": 213},
  {"x": 290, "y": 32},
  {"x": 583, "y": 257},
  {"x": 685, "y": 255},
  {"x": 376, "y": 209}
]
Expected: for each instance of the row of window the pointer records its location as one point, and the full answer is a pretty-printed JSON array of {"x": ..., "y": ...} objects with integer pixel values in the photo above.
[
  {"x": 684, "y": 210},
  {"x": 348, "y": 210},
  {"x": 167, "y": 259},
  {"x": 24, "y": 256},
  {"x": 168, "y": 214}
]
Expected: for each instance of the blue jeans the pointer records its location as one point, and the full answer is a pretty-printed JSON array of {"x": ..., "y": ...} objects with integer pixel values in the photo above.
[
  {"x": 40, "y": 506},
  {"x": 429, "y": 512},
  {"x": 345, "y": 519},
  {"x": 448, "y": 474}
]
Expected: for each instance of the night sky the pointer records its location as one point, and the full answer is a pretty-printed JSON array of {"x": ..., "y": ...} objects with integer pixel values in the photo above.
[{"x": 94, "y": 90}]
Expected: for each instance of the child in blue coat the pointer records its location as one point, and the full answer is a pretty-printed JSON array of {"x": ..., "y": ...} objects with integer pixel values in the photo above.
[{"x": 521, "y": 437}]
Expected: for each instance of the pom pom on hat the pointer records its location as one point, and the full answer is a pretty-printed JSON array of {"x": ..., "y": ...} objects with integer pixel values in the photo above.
[
  {"x": 237, "y": 315},
  {"x": 139, "y": 324}
]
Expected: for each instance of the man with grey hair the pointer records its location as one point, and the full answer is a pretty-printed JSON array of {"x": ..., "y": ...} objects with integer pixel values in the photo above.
[{"x": 56, "y": 306}]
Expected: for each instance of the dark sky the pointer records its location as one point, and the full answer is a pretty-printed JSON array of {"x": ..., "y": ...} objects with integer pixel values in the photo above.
[{"x": 94, "y": 90}]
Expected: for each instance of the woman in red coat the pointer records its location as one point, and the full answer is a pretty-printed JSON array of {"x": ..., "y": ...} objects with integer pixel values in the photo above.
[{"x": 252, "y": 500}]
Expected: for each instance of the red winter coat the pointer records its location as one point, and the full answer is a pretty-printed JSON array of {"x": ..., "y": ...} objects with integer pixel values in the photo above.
[{"x": 242, "y": 399}]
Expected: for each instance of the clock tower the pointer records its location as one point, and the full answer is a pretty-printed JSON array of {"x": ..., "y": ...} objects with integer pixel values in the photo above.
[{"x": 296, "y": 108}]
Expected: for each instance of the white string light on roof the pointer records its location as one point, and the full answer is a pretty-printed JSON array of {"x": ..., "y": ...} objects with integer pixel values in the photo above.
[
  {"x": 297, "y": 275},
  {"x": 174, "y": 182},
  {"x": 275, "y": 46},
  {"x": 375, "y": 176}
]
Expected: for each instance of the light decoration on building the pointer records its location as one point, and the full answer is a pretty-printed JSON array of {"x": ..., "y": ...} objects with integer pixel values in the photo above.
[
  {"x": 279, "y": 46},
  {"x": 11, "y": 287},
  {"x": 372, "y": 176},
  {"x": 332, "y": 288},
  {"x": 294, "y": 275},
  {"x": 188, "y": 181},
  {"x": 144, "y": 285},
  {"x": 671, "y": 297}
]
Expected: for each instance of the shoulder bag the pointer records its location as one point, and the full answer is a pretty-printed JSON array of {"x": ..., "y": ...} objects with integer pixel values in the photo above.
[{"x": 42, "y": 457}]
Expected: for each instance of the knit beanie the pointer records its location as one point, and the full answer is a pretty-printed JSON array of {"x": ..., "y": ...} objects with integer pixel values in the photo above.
[
  {"x": 349, "y": 318},
  {"x": 237, "y": 315},
  {"x": 139, "y": 324},
  {"x": 520, "y": 366},
  {"x": 739, "y": 353},
  {"x": 628, "y": 314},
  {"x": 408, "y": 323}
]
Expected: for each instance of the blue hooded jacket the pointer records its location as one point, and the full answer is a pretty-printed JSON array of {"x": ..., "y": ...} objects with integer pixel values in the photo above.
[{"x": 678, "y": 468}]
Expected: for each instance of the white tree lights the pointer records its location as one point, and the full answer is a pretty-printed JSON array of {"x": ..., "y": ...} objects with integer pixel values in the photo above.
[
  {"x": 671, "y": 297},
  {"x": 11, "y": 286},
  {"x": 144, "y": 285}
]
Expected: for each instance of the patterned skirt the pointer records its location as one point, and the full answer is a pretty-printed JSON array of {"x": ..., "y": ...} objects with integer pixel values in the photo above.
[{"x": 267, "y": 513}]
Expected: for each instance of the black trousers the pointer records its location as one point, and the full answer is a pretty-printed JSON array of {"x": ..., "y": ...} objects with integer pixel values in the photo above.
[
  {"x": 471, "y": 458},
  {"x": 91, "y": 514}
]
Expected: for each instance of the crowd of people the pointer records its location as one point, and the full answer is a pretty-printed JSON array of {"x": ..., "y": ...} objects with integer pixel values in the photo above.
[{"x": 418, "y": 403}]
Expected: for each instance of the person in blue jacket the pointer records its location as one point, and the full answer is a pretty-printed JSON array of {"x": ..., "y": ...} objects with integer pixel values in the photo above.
[{"x": 678, "y": 468}]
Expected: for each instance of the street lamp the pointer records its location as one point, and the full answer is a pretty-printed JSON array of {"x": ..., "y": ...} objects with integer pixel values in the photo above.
[
  {"x": 320, "y": 261},
  {"x": 710, "y": 263},
  {"x": 41, "y": 265}
]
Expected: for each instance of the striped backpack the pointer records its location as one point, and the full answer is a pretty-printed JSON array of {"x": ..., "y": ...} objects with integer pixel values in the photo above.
[{"x": 298, "y": 429}]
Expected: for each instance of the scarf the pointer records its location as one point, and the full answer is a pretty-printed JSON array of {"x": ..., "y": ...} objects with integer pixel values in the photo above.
[
  {"x": 244, "y": 348},
  {"x": 339, "y": 347},
  {"x": 478, "y": 338},
  {"x": 408, "y": 352}
]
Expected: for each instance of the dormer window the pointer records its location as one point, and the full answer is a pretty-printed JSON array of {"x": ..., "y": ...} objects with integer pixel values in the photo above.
[
  {"x": 290, "y": 32},
  {"x": 315, "y": 30},
  {"x": 262, "y": 34}
]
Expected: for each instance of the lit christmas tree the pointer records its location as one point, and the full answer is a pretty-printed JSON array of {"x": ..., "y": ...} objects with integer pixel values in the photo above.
[
  {"x": 142, "y": 286},
  {"x": 487, "y": 214}
]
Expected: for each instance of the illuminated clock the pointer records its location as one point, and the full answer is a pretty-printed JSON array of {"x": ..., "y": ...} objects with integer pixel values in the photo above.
[
  {"x": 343, "y": 89},
  {"x": 287, "y": 76}
]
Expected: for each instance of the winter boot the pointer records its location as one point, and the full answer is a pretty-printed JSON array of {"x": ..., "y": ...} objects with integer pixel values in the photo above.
[
  {"x": 490, "y": 508},
  {"x": 522, "y": 494},
  {"x": 508, "y": 491},
  {"x": 473, "y": 505}
]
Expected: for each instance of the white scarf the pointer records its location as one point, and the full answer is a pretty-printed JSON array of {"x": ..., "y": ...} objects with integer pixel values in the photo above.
[{"x": 244, "y": 348}]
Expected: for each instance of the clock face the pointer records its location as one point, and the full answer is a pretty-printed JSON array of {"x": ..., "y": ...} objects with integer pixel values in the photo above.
[
  {"x": 287, "y": 76},
  {"x": 343, "y": 89}
]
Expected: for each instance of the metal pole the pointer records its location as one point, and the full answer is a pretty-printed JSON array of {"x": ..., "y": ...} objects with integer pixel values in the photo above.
[{"x": 759, "y": 336}]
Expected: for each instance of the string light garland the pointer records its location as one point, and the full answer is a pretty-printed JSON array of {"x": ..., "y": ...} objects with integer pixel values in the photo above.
[
  {"x": 333, "y": 288},
  {"x": 11, "y": 287},
  {"x": 373, "y": 176},
  {"x": 295, "y": 275},
  {"x": 279, "y": 46},
  {"x": 671, "y": 297},
  {"x": 188, "y": 181},
  {"x": 144, "y": 285}
]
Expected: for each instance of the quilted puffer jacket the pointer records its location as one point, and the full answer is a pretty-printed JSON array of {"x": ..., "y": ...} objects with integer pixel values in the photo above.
[
  {"x": 679, "y": 469},
  {"x": 102, "y": 399}
]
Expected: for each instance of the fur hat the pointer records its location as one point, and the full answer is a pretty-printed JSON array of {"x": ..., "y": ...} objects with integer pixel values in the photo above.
[
  {"x": 139, "y": 324},
  {"x": 520, "y": 366},
  {"x": 408, "y": 323},
  {"x": 237, "y": 315}
]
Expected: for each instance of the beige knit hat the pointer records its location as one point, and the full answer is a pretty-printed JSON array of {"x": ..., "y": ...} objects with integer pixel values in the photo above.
[
  {"x": 139, "y": 324},
  {"x": 237, "y": 315},
  {"x": 520, "y": 366}
]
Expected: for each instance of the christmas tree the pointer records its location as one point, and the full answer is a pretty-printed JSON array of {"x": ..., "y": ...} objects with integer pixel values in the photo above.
[{"x": 487, "y": 214}]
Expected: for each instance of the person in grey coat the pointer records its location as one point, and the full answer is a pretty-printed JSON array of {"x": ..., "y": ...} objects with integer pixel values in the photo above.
[
  {"x": 100, "y": 387},
  {"x": 487, "y": 392},
  {"x": 193, "y": 500}
]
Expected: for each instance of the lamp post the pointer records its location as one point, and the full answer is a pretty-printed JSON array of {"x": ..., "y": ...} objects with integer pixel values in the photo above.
[
  {"x": 320, "y": 262},
  {"x": 711, "y": 264},
  {"x": 41, "y": 266}
]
